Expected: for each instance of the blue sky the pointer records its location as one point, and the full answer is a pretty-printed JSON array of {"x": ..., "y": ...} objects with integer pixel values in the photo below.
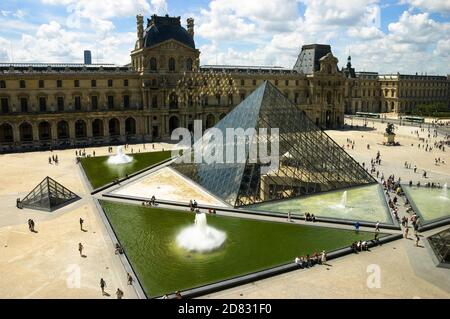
[{"x": 388, "y": 36}]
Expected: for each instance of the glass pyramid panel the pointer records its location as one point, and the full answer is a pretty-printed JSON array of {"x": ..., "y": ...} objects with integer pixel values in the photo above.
[
  {"x": 49, "y": 195},
  {"x": 440, "y": 243},
  {"x": 309, "y": 160}
]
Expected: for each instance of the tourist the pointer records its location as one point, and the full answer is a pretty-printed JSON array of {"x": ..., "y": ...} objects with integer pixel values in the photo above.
[
  {"x": 377, "y": 226},
  {"x": 406, "y": 232},
  {"x": 30, "y": 227},
  {"x": 357, "y": 226},
  {"x": 377, "y": 235},
  {"x": 323, "y": 257},
  {"x": 102, "y": 285},
  {"x": 364, "y": 246},
  {"x": 153, "y": 200},
  {"x": 81, "y": 224},
  {"x": 80, "y": 249},
  {"x": 178, "y": 295},
  {"x": 297, "y": 260},
  {"x": 417, "y": 240},
  {"x": 119, "y": 293},
  {"x": 49, "y": 160},
  {"x": 289, "y": 217},
  {"x": 119, "y": 249},
  {"x": 165, "y": 297},
  {"x": 129, "y": 279}
]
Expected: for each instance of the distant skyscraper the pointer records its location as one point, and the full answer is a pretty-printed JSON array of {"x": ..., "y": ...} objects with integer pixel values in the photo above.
[{"x": 87, "y": 57}]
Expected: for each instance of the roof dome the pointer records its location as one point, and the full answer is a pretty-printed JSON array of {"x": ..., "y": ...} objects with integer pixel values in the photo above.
[{"x": 160, "y": 29}]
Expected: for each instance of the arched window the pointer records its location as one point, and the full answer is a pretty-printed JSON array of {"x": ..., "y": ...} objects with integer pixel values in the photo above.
[
  {"x": 189, "y": 64},
  {"x": 173, "y": 101},
  {"x": 153, "y": 64},
  {"x": 171, "y": 64}
]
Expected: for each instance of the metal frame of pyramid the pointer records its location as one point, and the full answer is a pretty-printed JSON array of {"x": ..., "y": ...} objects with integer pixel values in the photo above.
[
  {"x": 48, "y": 195},
  {"x": 310, "y": 161}
]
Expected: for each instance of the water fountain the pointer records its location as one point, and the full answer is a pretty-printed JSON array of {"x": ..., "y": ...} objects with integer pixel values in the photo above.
[
  {"x": 344, "y": 200},
  {"x": 120, "y": 157},
  {"x": 444, "y": 193},
  {"x": 343, "y": 204},
  {"x": 200, "y": 237}
]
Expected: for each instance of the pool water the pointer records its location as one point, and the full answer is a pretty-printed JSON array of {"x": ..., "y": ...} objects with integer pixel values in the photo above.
[
  {"x": 364, "y": 203},
  {"x": 149, "y": 238},
  {"x": 430, "y": 203}
]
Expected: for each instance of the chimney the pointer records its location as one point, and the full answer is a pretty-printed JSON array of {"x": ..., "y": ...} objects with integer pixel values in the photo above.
[{"x": 190, "y": 26}]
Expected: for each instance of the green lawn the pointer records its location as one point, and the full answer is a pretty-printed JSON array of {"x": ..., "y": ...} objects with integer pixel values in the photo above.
[
  {"x": 100, "y": 173},
  {"x": 148, "y": 236}
]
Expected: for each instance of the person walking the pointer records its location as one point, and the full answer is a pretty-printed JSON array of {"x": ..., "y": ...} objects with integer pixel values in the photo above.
[
  {"x": 119, "y": 293},
  {"x": 289, "y": 217},
  {"x": 129, "y": 279},
  {"x": 406, "y": 232},
  {"x": 31, "y": 225},
  {"x": 417, "y": 240},
  {"x": 102, "y": 285},
  {"x": 81, "y": 223},
  {"x": 80, "y": 249},
  {"x": 377, "y": 226}
]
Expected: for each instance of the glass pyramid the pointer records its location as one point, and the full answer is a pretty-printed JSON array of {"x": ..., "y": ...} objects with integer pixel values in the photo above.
[
  {"x": 49, "y": 195},
  {"x": 309, "y": 160},
  {"x": 440, "y": 243}
]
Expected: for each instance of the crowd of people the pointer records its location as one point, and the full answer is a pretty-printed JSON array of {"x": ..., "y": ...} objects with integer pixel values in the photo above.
[{"x": 309, "y": 261}]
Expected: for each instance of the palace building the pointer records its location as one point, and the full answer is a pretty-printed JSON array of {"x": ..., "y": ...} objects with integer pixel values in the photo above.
[{"x": 60, "y": 105}]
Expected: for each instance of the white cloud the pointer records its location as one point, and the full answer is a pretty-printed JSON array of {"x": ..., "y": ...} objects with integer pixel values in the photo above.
[{"x": 439, "y": 6}]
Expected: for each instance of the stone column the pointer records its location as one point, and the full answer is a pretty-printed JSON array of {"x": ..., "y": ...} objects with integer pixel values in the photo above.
[
  {"x": 35, "y": 127},
  {"x": 54, "y": 128},
  {"x": 105, "y": 127},
  {"x": 71, "y": 129},
  {"x": 89, "y": 128},
  {"x": 16, "y": 132}
]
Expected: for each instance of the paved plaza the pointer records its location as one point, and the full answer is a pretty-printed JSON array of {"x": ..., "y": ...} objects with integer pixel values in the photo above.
[{"x": 47, "y": 264}]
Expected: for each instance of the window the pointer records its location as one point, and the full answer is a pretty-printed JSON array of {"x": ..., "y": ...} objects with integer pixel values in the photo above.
[
  {"x": 154, "y": 101},
  {"x": 296, "y": 98},
  {"x": 60, "y": 102},
  {"x": 296, "y": 82},
  {"x": 4, "y": 105},
  {"x": 2, "y": 84},
  {"x": 77, "y": 103},
  {"x": 190, "y": 101},
  {"x": 23, "y": 104},
  {"x": 110, "y": 101},
  {"x": 94, "y": 102},
  {"x": 286, "y": 82},
  {"x": 242, "y": 97},
  {"x": 171, "y": 64},
  {"x": 189, "y": 64},
  {"x": 218, "y": 99},
  {"x": 76, "y": 83},
  {"x": 93, "y": 83},
  {"x": 42, "y": 104},
  {"x": 59, "y": 83},
  {"x": 22, "y": 84},
  {"x": 254, "y": 82},
  {"x": 152, "y": 64},
  {"x": 110, "y": 83},
  {"x": 242, "y": 82},
  {"x": 41, "y": 84},
  {"x": 276, "y": 82},
  {"x": 125, "y": 82},
  {"x": 126, "y": 101}
]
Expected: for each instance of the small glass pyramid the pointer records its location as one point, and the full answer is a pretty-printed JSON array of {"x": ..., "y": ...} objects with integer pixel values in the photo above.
[{"x": 49, "y": 195}]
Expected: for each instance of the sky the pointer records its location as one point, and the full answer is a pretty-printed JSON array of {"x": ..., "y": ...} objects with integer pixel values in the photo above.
[{"x": 386, "y": 36}]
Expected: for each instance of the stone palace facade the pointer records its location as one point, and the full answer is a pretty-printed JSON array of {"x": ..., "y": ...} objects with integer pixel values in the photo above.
[{"x": 75, "y": 105}]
